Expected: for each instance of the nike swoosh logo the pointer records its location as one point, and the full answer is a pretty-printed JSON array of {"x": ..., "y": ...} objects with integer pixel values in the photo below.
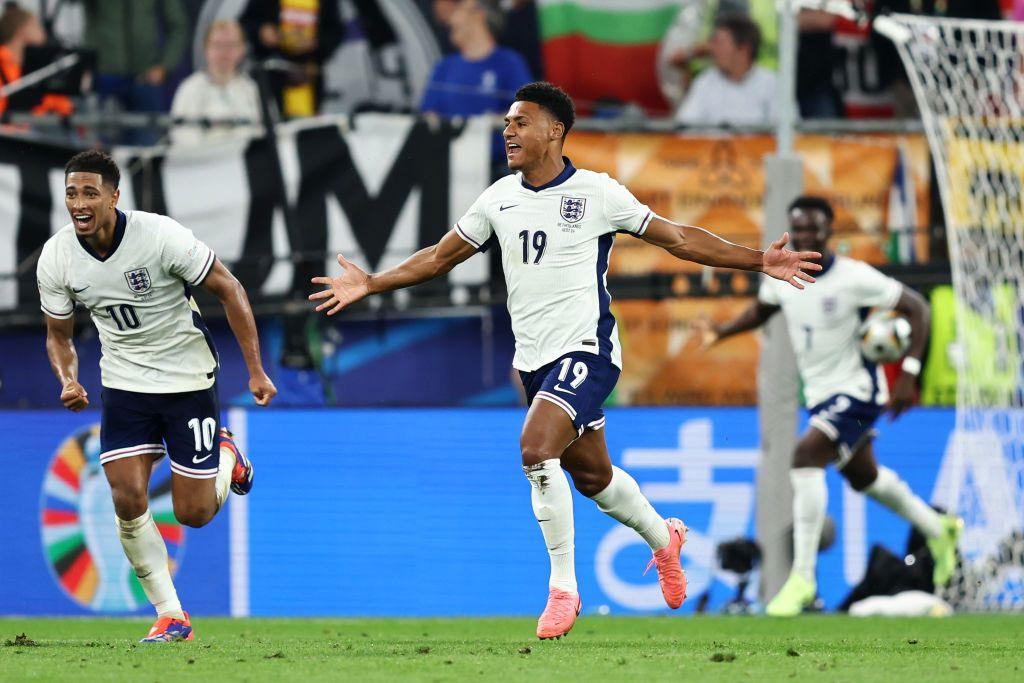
[
  {"x": 558, "y": 387},
  {"x": 510, "y": 206},
  {"x": 199, "y": 460},
  {"x": 79, "y": 291}
]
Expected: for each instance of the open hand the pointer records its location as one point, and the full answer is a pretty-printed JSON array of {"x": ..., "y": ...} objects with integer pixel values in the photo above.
[
  {"x": 74, "y": 396},
  {"x": 704, "y": 329},
  {"x": 346, "y": 289},
  {"x": 262, "y": 389},
  {"x": 783, "y": 264}
]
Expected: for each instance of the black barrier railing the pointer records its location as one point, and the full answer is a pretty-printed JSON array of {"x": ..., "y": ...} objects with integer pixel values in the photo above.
[{"x": 145, "y": 171}]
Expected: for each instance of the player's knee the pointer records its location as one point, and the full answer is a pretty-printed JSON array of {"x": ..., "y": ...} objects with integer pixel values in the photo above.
[
  {"x": 130, "y": 502},
  {"x": 592, "y": 481},
  {"x": 806, "y": 455},
  {"x": 534, "y": 453},
  {"x": 862, "y": 477},
  {"x": 194, "y": 515}
]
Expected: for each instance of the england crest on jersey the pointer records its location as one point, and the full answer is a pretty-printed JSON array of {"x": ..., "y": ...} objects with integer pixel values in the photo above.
[
  {"x": 572, "y": 208},
  {"x": 138, "y": 280}
]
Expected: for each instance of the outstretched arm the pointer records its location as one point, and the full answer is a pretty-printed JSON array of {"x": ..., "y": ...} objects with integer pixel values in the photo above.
[
  {"x": 426, "y": 264},
  {"x": 916, "y": 309},
  {"x": 700, "y": 246},
  {"x": 60, "y": 348},
  {"x": 754, "y": 316},
  {"x": 229, "y": 291}
]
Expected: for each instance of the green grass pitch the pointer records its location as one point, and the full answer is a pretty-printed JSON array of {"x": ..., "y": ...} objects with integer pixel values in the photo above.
[{"x": 833, "y": 648}]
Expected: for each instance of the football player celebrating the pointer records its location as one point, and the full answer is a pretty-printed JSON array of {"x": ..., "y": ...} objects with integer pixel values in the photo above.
[
  {"x": 134, "y": 271},
  {"x": 555, "y": 225}
]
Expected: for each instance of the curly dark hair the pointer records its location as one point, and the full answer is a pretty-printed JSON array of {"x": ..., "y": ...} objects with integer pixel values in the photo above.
[
  {"x": 552, "y": 98},
  {"x": 95, "y": 161},
  {"x": 810, "y": 202}
]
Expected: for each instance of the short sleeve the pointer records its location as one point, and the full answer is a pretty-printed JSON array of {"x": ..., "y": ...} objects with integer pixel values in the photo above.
[
  {"x": 54, "y": 299},
  {"x": 183, "y": 254},
  {"x": 874, "y": 289},
  {"x": 767, "y": 294},
  {"x": 623, "y": 210},
  {"x": 474, "y": 226}
]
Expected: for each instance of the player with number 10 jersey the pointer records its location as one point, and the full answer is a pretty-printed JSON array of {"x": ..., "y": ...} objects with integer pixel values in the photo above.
[{"x": 134, "y": 272}]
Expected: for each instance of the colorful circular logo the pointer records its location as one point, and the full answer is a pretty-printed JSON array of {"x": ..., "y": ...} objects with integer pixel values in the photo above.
[{"x": 80, "y": 539}]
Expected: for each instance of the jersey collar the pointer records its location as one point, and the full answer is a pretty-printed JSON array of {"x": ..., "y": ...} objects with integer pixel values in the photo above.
[
  {"x": 119, "y": 225},
  {"x": 566, "y": 173}
]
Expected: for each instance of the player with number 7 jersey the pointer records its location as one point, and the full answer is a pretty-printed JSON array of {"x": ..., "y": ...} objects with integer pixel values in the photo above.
[
  {"x": 134, "y": 272},
  {"x": 555, "y": 226}
]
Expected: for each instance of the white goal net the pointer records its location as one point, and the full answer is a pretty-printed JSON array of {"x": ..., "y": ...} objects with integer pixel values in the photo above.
[{"x": 968, "y": 79}]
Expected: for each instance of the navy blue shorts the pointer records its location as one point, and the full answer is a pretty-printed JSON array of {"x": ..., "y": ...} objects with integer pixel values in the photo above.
[
  {"x": 847, "y": 422},
  {"x": 578, "y": 383},
  {"x": 186, "y": 425}
]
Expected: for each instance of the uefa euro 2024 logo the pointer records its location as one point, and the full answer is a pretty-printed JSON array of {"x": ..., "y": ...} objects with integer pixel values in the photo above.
[{"x": 80, "y": 541}]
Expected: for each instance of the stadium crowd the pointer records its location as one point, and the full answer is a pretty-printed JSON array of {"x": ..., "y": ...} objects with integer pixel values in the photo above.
[{"x": 715, "y": 63}]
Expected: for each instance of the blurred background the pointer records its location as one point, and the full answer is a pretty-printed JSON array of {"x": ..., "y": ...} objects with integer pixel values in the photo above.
[{"x": 284, "y": 132}]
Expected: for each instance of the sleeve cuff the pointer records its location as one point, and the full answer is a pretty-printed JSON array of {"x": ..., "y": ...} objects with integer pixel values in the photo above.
[
  {"x": 463, "y": 235},
  {"x": 894, "y": 298},
  {"x": 207, "y": 266},
  {"x": 645, "y": 222},
  {"x": 54, "y": 314}
]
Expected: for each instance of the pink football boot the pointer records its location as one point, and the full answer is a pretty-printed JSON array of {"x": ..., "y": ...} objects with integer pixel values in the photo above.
[
  {"x": 670, "y": 572},
  {"x": 559, "y": 615}
]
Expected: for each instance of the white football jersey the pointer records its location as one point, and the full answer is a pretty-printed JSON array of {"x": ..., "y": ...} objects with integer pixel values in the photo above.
[
  {"x": 823, "y": 321},
  {"x": 151, "y": 334},
  {"x": 555, "y": 243}
]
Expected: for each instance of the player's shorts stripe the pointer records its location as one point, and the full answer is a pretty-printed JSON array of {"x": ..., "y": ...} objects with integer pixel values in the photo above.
[
  {"x": 60, "y": 316},
  {"x": 131, "y": 451},
  {"x": 824, "y": 427},
  {"x": 596, "y": 424},
  {"x": 463, "y": 235},
  {"x": 558, "y": 402},
  {"x": 645, "y": 222},
  {"x": 192, "y": 472},
  {"x": 207, "y": 265}
]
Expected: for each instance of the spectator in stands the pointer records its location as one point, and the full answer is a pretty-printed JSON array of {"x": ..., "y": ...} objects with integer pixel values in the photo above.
[
  {"x": 20, "y": 29},
  {"x": 482, "y": 77},
  {"x": 735, "y": 90},
  {"x": 220, "y": 92},
  {"x": 138, "y": 43},
  {"x": 816, "y": 93},
  {"x": 697, "y": 22},
  {"x": 304, "y": 35},
  {"x": 522, "y": 34}
]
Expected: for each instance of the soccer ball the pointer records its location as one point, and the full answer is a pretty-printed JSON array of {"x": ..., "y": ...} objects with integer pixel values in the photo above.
[{"x": 884, "y": 337}]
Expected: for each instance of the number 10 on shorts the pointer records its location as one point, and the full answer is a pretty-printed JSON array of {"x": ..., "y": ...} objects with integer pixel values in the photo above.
[{"x": 203, "y": 432}]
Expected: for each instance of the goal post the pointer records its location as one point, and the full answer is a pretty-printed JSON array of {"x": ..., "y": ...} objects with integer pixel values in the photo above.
[{"x": 968, "y": 80}]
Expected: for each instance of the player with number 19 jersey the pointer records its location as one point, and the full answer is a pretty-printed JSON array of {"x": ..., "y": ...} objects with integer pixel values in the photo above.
[
  {"x": 151, "y": 333},
  {"x": 555, "y": 243}
]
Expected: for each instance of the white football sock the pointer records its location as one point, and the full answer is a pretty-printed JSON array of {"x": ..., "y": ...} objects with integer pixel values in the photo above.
[
  {"x": 810, "y": 501},
  {"x": 147, "y": 553},
  {"x": 552, "y": 505},
  {"x": 623, "y": 501},
  {"x": 892, "y": 492},
  {"x": 224, "y": 469}
]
